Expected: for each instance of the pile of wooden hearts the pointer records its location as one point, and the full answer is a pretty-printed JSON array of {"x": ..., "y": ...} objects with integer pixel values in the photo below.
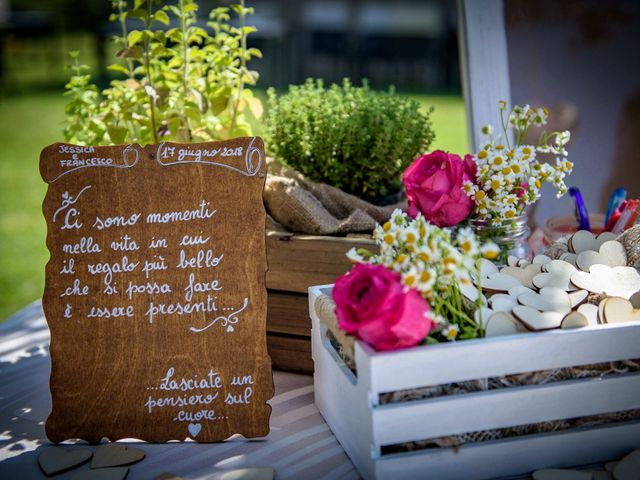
[
  {"x": 545, "y": 294},
  {"x": 109, "y": 461}
]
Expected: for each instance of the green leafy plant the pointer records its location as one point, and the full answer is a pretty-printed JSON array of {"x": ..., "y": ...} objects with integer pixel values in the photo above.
[
  {"x": 350, "y": 137},
  {"x": 181, "y": 83}
]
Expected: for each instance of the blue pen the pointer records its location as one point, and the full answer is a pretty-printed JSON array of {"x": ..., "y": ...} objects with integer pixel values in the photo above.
[
  {"x": 616, "y": 198},
  {"x": 581, "y": 210}
]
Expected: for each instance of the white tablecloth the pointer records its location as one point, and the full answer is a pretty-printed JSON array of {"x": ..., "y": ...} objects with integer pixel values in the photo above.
[{"x": 300, "y": 444}]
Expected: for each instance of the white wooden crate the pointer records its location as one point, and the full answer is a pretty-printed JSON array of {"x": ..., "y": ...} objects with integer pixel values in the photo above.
[{"x": 350, "y": 405}]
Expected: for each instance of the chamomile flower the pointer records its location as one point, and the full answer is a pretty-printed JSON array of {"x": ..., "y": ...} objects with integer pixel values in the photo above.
[
  {"x": 354, "y": 256},
  {"x": 411, "y": 277},
  {"x": 490, "y": 250},
  {"x": 451, "y": 332},
  {"x": 467, "y": 241},
  {"x": 426, "y": 281},
  {"x": 469, "y": 188}
]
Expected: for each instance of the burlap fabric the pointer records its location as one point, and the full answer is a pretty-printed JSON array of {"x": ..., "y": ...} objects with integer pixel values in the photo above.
[{"x": 303, "y": 206}]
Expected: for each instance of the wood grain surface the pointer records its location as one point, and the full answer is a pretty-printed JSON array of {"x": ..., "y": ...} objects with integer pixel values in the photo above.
[{"x": 155, "y": 291}]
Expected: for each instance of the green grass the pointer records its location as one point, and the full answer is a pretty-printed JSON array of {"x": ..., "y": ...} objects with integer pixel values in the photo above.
[
  {"x": 26, "y": 125},
  {"x": 29, "y": 123}
]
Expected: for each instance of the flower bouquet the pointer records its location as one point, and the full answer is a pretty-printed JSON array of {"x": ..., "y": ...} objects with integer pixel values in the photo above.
[
  {"x": 491, "y": 190},
  {"x": 411, "y": 292}
]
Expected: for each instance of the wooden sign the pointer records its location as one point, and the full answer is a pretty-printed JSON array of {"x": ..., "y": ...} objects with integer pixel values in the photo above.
[{"x": 155, "y": 291}]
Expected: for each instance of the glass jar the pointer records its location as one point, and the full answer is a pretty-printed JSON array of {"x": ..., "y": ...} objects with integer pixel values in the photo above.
[{"x": 511, "y": 236}]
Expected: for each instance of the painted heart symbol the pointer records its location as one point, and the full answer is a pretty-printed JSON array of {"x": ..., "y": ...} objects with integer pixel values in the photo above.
[
  {"x": 618, "y": 310},
  {"x": 55, "y": 460},
  {"x": 116, "y": 454},
  {"x": 194, "y": 429},
  {"x": 229, "y": 328},
  {"x": 610, "y": 253}
]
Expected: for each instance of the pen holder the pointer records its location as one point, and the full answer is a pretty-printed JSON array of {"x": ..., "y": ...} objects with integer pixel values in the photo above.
[{"x": 556, "y": 227}]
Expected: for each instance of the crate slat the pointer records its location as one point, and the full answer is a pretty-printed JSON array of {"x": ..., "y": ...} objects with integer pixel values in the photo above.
[
  {"x": 494, "y": 357},
  {"x": 501, "y": 458},
  {"x": 290, "y": 353},
  {"x": 297, "y": 262},
  {"x": 288, "y": 313},
  {"x": 507, "y": 407}
]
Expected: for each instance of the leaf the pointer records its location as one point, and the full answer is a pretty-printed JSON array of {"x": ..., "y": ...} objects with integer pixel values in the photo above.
[
  {"x": 255, "y": 105},
  {"x": 162, "y": 17},
  {"x": 130, "y": 52},
  {"x": 134, "y": 37},
  {"x": 74, "y": 53},
  {"x": 191, "y": 7},
  {"x": 118, "y": 67},
  {"x": 138, "y": 3}
]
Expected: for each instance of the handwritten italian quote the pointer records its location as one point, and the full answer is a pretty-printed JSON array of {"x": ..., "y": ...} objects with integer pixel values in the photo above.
[{"x": 157, "y": 276}]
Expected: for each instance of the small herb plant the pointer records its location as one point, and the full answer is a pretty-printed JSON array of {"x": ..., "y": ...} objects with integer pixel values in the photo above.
[
  {"x": 180, "y": 82},
  {"x": 350, "y": 137}
]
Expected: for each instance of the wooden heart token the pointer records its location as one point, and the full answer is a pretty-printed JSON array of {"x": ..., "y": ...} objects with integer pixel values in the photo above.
[
  {"x": 260, "y": 473},
  {"x": 583, "y": 240},
  {"x": 550, "y": 299},
  {"x": 619, "y": 310},
  {"x": 611, "y": 253},
  {"x": 557, "y": 274},
  {"x": 499, "y": 282},
  {"x": 635, "y": 299},
  {"x": 520, "y": 289},
  {"x": 118, "y": 473},
  {"x": 578, "y": 298},
  {"x": 629, "y": 467},
  {"x": 536, "y": 320},
  {"x": 616, "y": 282},
  {"x": 574, "y": 320},
  {"x": 501, "y": 302},
  {"x": 487, "y": 267},
  {"x": 590, "y": 312},
  {"x": 512, "y": 261},
  {"x": 482, "y": 315},
  {"x": 540, "y": 259},
  {"x": 116, "y": 454},
  {"x": 524, "y": 275},
  {"x": 561, "y": 474},
  {"x": 56, "y": 459},
  {"x": 569, "y": 258},
  {"x": 502, "y": 323}
]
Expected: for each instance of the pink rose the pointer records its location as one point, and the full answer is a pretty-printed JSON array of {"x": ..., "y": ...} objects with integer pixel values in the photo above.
[
  {"x": 372, "y": 304},
  {"x": 434, "y": 187}
]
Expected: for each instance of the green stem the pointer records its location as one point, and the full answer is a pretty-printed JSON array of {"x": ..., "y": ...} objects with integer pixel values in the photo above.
[
  {"x": 185, "y": 67},
  {"x": 243, "y": 64},
  {"x": 147, "y": 68},
  {"x": 123, "y": 26}
]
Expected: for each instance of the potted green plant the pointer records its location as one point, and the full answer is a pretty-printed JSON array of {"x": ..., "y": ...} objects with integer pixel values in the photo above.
[
  {"x": 177, "y": 81},
  {"x": 352, "y": 138}
]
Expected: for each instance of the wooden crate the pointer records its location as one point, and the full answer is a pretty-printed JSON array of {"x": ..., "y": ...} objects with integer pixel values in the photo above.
[
  {"x": 296, "y": 262},
  {"x": 351, "y": 407}
]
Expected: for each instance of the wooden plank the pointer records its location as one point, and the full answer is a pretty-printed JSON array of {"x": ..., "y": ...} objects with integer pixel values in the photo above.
[
  {"x": 516, "y": 456},
  {"x": 492, "y": 357},
  {"x": 484, "y": 65},
  {"x": 288, "y": 313},
  {"x": 473, "y": 412},
  {"x": 296, "y": 262},
  {"x": 290, "y": 353}
]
